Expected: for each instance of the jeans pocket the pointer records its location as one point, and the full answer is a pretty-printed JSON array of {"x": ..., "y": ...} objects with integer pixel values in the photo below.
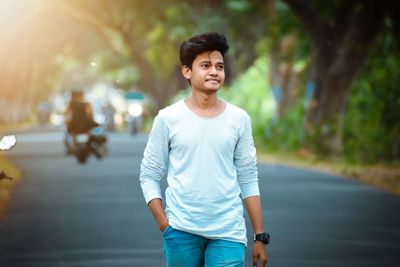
[{"x": 167, "y": 230}]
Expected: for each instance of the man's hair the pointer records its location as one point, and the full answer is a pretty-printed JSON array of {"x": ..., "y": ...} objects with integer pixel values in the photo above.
[{"x": 200, "y": 43}]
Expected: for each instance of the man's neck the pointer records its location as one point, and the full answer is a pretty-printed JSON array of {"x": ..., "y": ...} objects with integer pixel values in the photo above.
[
  {"x": 203, "y": 101},
  {"x": 206, "y": 105}
]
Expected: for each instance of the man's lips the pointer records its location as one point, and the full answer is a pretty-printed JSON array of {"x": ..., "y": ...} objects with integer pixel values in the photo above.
[{"x": 212, "y": 80}]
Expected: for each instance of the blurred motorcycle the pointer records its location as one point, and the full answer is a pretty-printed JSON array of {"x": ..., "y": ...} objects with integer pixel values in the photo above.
[
  {"x": 85, "y": 144},
  {"x": 134, "y": 118}
]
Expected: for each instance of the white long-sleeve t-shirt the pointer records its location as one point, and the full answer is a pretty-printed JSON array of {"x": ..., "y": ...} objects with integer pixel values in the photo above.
[{"x": 210, "y": 164}]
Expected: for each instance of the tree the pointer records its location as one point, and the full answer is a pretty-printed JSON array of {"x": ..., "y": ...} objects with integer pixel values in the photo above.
[
  {"x": 123, "y": 25},
  {"x": 288, "y": 53},
  {"x": 371, "y": 122},
  {"x": 148, "y": 33},
  {"x": 342, "y": 34}
]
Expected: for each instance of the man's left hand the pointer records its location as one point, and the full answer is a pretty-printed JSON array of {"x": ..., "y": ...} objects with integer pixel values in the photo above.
[{"x": 259, "y": 254}]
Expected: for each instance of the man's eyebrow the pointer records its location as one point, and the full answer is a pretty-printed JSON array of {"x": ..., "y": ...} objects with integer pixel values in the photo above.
[{"x": 209, "y": 62}]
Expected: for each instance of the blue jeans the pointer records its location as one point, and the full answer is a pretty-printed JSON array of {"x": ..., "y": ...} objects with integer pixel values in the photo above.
[{"x": 182, "y": 249}]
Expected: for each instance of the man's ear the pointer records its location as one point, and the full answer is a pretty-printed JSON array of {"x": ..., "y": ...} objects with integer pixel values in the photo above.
[{"x": 186, "y": 72}]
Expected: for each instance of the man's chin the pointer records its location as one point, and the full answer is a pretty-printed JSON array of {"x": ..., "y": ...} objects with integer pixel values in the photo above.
[
  {"x": 213, "y": 87},
  {"x": 211, "y": 90}
]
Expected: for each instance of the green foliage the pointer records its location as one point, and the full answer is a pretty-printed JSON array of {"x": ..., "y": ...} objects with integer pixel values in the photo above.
[
  {"x": 237, "y": 5},
  {"x": 115, "y": 68},
  {"x": 162, "y": 54},
  {"x": 178, "y": 22},
  {"x": 164, "y": 40},
  {"x": 251, "y": 92},
  {"x": 372, "y": 118},
  {"x": 284, "y": 22},
  {"x": 287, "y": 132},
  {"x": 124, "y": 76}
]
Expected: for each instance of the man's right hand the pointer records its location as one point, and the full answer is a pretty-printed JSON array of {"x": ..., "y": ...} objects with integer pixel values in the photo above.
[
  {"x": 157, "y": 210},
  {"x": 164, "y": 226}
]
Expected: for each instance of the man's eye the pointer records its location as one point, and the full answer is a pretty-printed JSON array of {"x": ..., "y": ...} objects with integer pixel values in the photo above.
[
  {"x": 205, "y": 66},
  {"x": 220, "y": 67}
]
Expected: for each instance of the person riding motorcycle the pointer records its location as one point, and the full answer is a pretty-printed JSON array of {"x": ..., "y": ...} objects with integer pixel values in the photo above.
[
  {"x": 79, "y": 115},
  {"x": 78, "y": 118}
]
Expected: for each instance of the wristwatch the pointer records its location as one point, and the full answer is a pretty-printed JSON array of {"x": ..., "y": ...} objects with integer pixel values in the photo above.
[{"x": 264, "y": 237}]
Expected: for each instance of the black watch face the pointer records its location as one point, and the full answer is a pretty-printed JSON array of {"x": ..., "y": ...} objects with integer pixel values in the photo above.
[{"x": 264, "y": 237}]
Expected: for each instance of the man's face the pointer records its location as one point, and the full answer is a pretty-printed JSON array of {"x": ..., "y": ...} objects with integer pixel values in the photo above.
[{"x": 207, "y": 73}]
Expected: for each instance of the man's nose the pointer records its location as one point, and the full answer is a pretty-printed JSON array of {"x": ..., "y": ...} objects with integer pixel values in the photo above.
[{"x": 213, "y": 70}]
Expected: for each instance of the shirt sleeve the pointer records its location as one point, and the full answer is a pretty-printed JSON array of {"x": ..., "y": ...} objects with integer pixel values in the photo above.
[
  {"x": 155, "y": 160},
  {"x": 246, "y": 162}
]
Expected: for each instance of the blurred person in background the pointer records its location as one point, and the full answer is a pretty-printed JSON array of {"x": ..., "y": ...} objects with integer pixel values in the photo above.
[
  {"x": 78, "y": 118},
  {"x": 108, "y": 111},
  {"x": 44, "y": 112}
]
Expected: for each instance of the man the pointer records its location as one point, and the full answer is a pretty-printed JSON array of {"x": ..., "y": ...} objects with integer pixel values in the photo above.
[{"x": 205, "y": 147}]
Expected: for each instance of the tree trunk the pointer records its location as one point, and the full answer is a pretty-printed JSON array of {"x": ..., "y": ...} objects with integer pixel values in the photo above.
[
  {"x": 282, "y": 74},
  {"x": 340, "y": 48}
]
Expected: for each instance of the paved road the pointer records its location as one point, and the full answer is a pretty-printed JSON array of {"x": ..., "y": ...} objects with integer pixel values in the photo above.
[{"x": 65, "y": 214}]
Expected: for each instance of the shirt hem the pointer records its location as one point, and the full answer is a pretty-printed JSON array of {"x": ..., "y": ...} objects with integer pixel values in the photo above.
[{"x": 176, "y": 227}]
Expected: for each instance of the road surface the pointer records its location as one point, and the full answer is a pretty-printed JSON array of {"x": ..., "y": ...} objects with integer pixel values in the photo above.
[{"x": 66, "y": 214}]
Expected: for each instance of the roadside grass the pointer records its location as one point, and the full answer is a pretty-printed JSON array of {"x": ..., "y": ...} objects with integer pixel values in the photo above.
[
  {"x": 383, "y": 176},
  {"x": 7, "y": 186}
]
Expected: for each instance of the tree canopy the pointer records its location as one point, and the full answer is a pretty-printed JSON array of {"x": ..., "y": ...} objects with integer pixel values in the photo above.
[{"x": 323, "y": 62}]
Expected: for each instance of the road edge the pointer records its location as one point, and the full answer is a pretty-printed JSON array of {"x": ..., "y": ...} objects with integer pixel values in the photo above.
[
  {"x": 383, "y": 177},
  {"x": 7, "y": 186}
]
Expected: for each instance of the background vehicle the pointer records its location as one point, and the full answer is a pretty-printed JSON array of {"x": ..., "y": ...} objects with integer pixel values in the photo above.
[
  {"x": 80, "y": 147},
  {"x": 135, "y": 101},
  {"x": 85, "y": 144},
  {"x": 134, "y": 118}
]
